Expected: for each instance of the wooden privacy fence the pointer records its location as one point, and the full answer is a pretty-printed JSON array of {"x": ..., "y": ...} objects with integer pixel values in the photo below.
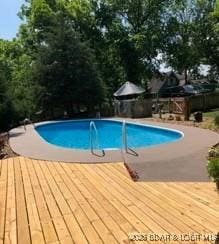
[
  {"x": 187, "y": 105},
  {"x": 178, "y": 105},
  {"x": 171, "y": 105}
]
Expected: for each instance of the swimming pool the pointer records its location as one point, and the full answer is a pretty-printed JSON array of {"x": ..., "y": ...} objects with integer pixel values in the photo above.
[{"x": 76, "y": 134}]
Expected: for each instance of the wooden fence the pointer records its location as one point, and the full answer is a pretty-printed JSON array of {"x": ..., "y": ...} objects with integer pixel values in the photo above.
[
  {"x": 182, "y": 105},
  {"x": 135, "y": 108}
]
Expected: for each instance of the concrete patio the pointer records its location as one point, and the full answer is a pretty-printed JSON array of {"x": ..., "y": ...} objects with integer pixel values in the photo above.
[{"x": 183, "y": 160}]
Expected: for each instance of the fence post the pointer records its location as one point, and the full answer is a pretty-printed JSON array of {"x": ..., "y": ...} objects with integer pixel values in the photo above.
[
  {"x": 169, "y": 101},
  {"x": 187, "y": 109},
  {"x": 204, "y": 102},
  {"x": 157, "y": 102}
]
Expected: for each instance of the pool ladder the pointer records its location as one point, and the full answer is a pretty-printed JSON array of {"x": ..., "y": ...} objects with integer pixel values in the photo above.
[
  {"x": 92, "y": 146},
  {"x": 125, "y": 141},
  {"x": 124, "y": 137},
  {"x": 27, "y": 121}
]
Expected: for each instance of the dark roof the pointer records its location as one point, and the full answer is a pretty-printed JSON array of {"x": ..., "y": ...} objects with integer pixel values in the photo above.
[
  {"x": 160, "y": 79},
  {"x": 182, "y": 82},
  {"x": 156, "y": 84},
  {"x": 170, "y": 73},
  {"x": 182, "y": 77},
  {"x": 202, "y": 80},
  {"x": 128, "y": 89}
]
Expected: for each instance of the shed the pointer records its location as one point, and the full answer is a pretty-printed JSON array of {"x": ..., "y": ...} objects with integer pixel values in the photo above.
[
  {"x": 129, "y": 103},
  {"x": 128, "y": 90}
]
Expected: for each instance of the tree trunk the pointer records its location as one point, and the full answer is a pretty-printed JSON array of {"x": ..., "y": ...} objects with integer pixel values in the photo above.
[
  {"x": 187, "y": 109},
  {"x": 186, "y": 77}
]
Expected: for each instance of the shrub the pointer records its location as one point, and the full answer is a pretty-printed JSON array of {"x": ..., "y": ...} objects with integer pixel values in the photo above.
[
  {"x": 213, "y": 168},
  {"x": 213, "y": 152},
  {"x": 216, "y": 120},
  {"x": 7, "y": 115}
]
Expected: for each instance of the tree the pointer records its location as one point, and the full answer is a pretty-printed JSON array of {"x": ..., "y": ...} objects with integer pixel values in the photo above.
[
  {"x": 188, "y": 30},
  {"x": 210, "y": 47},
  {"x": 6, "y": 107},
  {"x": 215, "y": 15},
  {"x": 20, "y": 87},
  {"x": 135, "y": 29},
  {"x": 24, "y": 92},
  {"x": 65, "y": 69},
  {"x": 89, "y": 18}
]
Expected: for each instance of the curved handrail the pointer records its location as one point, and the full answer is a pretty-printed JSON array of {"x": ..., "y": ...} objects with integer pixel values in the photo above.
[
  {"x": 27, "y": 121},
  {"x": 93, "y": 127},
  {"x": 125, "y": 141},
  {"x": 124, "y": 136}
]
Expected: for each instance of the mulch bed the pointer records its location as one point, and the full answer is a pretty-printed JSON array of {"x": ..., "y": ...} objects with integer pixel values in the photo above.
[
  {"x": 5, "y": 150},
  {"x": 133, "y": 174}
]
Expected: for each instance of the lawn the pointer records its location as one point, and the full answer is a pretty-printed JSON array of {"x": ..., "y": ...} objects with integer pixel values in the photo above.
[
  {"x": 209, "y": 120},
  {"x": 211, "y": 114}
]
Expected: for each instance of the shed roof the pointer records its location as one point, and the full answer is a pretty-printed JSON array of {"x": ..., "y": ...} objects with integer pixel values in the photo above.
[{"x": 128, "y": 89}]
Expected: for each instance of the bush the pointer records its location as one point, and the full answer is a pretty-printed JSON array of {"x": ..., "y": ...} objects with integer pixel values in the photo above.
[
  {"x": 213, "y": 152},
  {"x": 216, "y": 120},
  {"x": 213, "y": 168},
  {"x": 7, "y": 115}
]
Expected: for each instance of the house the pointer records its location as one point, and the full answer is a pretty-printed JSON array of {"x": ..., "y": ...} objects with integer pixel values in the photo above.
[{"x": 162, "y": 80}]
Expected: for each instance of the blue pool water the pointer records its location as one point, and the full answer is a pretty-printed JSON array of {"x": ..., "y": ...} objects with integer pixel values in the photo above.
[{"x": 75, "y": 134}]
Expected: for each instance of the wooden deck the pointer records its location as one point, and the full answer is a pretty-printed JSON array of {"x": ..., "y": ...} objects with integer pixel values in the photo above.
[{"x": 53, "y": 202}]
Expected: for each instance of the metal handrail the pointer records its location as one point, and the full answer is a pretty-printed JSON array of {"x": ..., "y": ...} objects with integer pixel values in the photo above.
[
  {"x": 93, "y": 127},
  {"x": 27, "y": 121},
  {"x": 125, "y": 141},
  {"x": 124, "y": 136}
]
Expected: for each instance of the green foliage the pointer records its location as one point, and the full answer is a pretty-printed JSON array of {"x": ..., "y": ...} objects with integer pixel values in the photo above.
[
  {"x": 135, "y": 30},
  {"x": 65, "y": 69},
  {"x": 41, "y": 13},
  {"x": 215, "y": 15},
  {"x": 211, "y": 114},
  {"x": 6, "y": 107},
  {"x": 213, "y": 168},
  {"x": 213, "y": 152},
  {"x": 212, "y": 42},
  {"x": 188, "y": 31},
  {"x": 22, "y": 88},
  {"x": 7, "y": 115},
  {"x": 66, "y": 49}
]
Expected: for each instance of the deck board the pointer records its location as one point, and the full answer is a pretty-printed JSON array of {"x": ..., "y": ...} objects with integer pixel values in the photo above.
[
  {"x": 161, "y": 204},
  {"x": 56, "y": 202},
  {"x": 3, "y": 199},
  {"x": 42, "y": 206},
  {"x": 23, "y": 230},
  {"x": 10, "y": 223},
  {"x": 36, "y": 232}
]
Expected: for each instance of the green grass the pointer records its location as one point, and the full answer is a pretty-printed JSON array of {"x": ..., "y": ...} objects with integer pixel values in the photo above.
[
  {"x": 211, "y": 114},
  {"x": 209, "y": 120}
]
